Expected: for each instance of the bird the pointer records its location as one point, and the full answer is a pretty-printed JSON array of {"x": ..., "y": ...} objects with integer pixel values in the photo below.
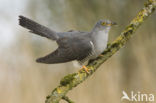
[{"x": 72, "y": 45}]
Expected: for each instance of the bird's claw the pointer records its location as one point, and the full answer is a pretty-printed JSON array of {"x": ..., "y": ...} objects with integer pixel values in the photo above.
[{"x": 85, "y": 69}]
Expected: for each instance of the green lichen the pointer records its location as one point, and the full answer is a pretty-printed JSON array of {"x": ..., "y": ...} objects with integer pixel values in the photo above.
[
  {"x": 47, "y": 97},
  {"x": 150, "y": 2},
  {"x": 67, "y": 99},
  {"x": 67, "y": 79}
]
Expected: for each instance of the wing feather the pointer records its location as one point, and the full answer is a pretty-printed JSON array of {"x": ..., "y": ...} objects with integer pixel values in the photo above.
[{"x": 69, "y": 49}]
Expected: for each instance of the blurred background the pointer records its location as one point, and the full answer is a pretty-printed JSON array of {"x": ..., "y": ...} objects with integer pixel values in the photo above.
[{"x": 22, "y": 80}]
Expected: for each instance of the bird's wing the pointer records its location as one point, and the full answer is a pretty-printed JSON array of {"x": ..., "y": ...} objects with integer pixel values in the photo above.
[
  {"x": 71, "y": 33},
  {"x": 61, "y": 55},
  {"x": 69, "y": 49},
  {"x": 37, "y": 28}
]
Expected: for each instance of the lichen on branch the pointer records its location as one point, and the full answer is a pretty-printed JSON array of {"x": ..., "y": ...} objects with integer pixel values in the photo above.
[{"x": 72, "y": 80}]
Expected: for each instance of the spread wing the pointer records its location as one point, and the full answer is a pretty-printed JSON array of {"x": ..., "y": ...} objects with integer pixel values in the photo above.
[
  {"x": 69, "y": 49},
  {"x": 37, "y": 28}
]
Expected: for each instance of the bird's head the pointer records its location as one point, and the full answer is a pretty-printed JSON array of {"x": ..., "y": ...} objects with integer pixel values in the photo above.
[{"x": 104, "y": 25}]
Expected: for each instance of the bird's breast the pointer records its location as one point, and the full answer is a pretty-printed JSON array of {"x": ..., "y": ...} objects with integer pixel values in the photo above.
[{"x": 100, "y": 41}]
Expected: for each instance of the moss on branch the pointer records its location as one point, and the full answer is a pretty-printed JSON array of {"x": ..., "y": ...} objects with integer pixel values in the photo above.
[
  {"x": 67, "y": 99},
  {"x": 72, "y": 80}
]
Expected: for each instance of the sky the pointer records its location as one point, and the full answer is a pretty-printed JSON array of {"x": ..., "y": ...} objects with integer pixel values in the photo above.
[{"x": 9, "y": 11}]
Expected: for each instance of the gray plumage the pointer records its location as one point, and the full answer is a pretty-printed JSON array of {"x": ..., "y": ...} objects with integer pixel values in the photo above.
[{"x": 72, "y": 45}]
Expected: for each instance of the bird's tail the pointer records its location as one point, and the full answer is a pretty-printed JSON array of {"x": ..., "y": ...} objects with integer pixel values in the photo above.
[{"x": 37, "y": 28}]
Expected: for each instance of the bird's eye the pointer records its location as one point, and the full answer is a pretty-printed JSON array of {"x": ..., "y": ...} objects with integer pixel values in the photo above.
[
  {"x": 103, "y": 23},
  {"x": 109, "y": 24}
]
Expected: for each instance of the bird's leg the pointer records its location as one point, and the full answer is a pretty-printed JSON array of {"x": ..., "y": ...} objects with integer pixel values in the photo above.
[{"x": 85, "y": 69}]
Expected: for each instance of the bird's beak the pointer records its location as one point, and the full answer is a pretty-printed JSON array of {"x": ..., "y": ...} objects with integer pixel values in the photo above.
[{"x": 113, "y": 23}]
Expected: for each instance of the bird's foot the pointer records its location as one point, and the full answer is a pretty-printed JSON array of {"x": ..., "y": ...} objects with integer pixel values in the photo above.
[
  {"x": 85, "y": 69},
  {"x": 101, "y": 55}
]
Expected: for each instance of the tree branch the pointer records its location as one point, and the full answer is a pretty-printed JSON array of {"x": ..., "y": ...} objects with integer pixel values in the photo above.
[
  {"x": 72, "y": 80},
  {"x": 67, "y": 99}
]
